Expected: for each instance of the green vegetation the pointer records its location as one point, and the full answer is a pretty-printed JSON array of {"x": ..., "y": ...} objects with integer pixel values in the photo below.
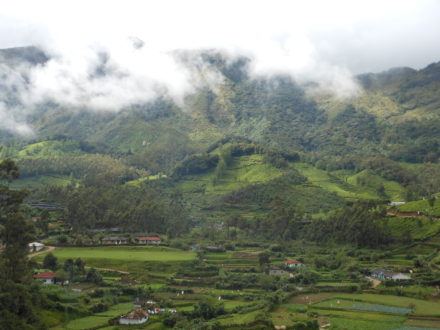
[
  {"x": 421, "y": 307},
  {"x": 20, "y": 298},
  {"x": 138, "y": 253},
  {"x": 420, "y": 228},
  {"x": 99, "y": 319},
  {"x": 249, "y": 175}
]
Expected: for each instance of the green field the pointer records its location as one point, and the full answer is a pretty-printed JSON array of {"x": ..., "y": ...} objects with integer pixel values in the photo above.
[
  {"x": 99, "y": 319},
  {"x": 125, "y": 253},
  {"x": 421, "y": 307},
  {"x": 363, "y": 311}
]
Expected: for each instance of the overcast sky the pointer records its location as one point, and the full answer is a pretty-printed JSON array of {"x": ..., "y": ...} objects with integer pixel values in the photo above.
[
  {"x": 358, "y": 35},
  {"x": 327, "y": 41}
]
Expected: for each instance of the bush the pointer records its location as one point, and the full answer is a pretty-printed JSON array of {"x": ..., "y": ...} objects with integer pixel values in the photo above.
[
  {"x": 276, "y": 248},
  {"x": 169, "y": 320},
  {"x": 229, "y": 246},
  {"x": 50, "y": 261},
  {"x": 99, "y": 307},
  {"x": 62, "y": 239},
  {"x": 93, "y": 276}
]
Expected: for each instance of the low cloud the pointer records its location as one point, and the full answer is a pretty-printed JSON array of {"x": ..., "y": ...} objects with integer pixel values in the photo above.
[
  {"x": 107, "y": 55},
  {"x": 9, "y": 123}
]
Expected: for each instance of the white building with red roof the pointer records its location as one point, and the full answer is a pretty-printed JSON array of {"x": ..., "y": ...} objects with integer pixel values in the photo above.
[
  {"x": 149, "y": 240},
  {"x": 46, "y": 277},
  {"x": 293, "y": 263}
]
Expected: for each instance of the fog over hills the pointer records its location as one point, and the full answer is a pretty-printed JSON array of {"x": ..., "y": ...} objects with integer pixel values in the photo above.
[
  {"x": 227, "y": 164},
  {"x": 133, "y": 54}
]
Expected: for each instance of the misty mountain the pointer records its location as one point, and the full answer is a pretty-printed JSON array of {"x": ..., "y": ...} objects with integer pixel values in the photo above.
[
  {"x": 395, "y": 115},
  {"x": 21, "y": 55}
]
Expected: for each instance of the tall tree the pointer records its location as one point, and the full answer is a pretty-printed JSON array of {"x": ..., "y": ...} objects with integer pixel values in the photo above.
[{"x": 18, "y": 295}]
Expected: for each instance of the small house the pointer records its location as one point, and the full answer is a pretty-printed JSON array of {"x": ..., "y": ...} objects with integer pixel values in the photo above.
[
  {"x": 385, "y": 274},
  {"x": 35, "y": 246},
  {"x": 275, "y": 271},
  {"x": 135, "y": 317},
  {"x": 46, "y": 277},
  {"x": 149, "y": 240},
  {"x": 396, "y": 203},
  {"x": 117, "y": 240},
  {"x": 293, "y": 263}
]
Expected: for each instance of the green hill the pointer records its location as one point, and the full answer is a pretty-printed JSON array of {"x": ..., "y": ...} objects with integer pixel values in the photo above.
[{"x": 376, "y": 145}]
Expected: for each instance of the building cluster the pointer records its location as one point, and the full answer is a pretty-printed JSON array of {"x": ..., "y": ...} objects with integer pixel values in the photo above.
[
  {"x": 122, "y": 240},
  {"x": 141, "y": 314}
]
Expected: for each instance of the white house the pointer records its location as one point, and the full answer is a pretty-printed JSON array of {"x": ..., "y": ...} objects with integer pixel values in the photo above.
[
  {"x": 400, "y": 276},
  {"x": 385, "y": 274},
  {"x": 35, "y": 246},
  {"x": 149, "y": 240},
  {"x": 397, "y": 203},
  {"x": 46, "y": 277},
  {"x": 135, "y": 317}
]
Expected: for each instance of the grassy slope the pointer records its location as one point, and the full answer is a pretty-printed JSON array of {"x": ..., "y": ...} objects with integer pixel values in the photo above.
[
  {"x": 422, "y": 206},
  {"x": 243, "y": 171},
  {"x": 346, "y": 184},
  {"x": 323, "y": 190},
  {"x": 132, "y": 133},
  {"x": 419, "y": 228}
]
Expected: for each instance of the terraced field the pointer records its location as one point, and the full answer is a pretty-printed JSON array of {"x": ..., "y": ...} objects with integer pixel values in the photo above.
[{"x": 365, "y": 311}]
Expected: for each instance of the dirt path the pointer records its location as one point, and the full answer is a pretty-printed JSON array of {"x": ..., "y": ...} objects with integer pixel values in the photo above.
[
  {"x": 375, "y": 282},
  {"x": 49, "y": 249},
  {"x": 112, "y": 270}
]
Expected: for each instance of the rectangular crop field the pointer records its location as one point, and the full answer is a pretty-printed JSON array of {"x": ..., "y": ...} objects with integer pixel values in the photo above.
[
  {"x": 125, "y": 253},
  {"x": 420, "y": 307}
]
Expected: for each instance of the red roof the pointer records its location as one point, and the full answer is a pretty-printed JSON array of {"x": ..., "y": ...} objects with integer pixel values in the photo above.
[
  {"x": 293, "y": 262},
  {"x": 149, "y": 238},
  {"x": 45, "y": 275}
]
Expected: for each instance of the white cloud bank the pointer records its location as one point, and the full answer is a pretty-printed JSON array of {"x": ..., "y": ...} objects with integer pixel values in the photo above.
[{"x": 324, "y": 41}]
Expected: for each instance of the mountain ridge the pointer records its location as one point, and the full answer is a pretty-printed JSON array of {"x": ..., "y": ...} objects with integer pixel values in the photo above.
[{"x": 394, "y": 121}]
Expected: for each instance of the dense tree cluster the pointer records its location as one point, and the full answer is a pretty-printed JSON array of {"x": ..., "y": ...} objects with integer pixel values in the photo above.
[
  {"x": 130, "y": 208},
  {"x": 19, "y": 296},
  {"x": 359, "y": 224}
]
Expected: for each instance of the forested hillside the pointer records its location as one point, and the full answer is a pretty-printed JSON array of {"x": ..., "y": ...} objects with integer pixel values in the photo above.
[{"x": 231, "y": 148}]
